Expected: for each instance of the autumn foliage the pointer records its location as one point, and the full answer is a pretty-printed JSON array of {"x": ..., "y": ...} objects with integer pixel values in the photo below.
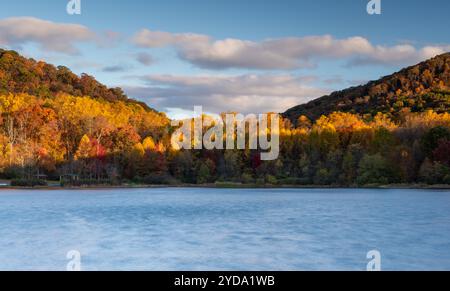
[
  {"x": 425, "y": 86},
  {"x": 98, "y": 140},
  {"x": 55, "y": 124},
  {"x": 67, "y": 134}
]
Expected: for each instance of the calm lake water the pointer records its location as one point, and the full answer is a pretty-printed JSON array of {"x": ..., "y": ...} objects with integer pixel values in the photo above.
[{"x": 225, "y": 229}]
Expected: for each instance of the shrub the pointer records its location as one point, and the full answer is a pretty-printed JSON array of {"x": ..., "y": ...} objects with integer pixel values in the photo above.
[
  {"x": 271, "y": 180},
  {"x": 291, "y": 181},
  {"x": 28, "y": 183},
  {"x": 247, "y": 178},
  {"x": 160, "y": 179},
  {"x": 260, "y": 181}
]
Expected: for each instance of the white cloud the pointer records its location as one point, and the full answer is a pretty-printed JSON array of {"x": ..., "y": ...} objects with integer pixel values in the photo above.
[
  {"x": 50, "y": 36},
  {"x": 244, "y": 93},
  {"x": 399, "y": 54},
  {"x": 282, "y": 53}
]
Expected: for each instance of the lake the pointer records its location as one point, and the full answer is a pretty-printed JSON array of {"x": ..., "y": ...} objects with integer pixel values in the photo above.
[{"x": 225, "y": 229}]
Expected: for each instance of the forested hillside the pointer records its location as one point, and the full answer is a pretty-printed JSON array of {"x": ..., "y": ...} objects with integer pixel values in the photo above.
[
  {"x": 37, "y": 78},
  {"x": 54, "y": 123},
  {"x": 415, "y": 89}
]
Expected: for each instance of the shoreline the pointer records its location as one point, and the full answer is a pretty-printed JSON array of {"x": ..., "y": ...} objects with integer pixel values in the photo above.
[{"x": 229, "y": 186}]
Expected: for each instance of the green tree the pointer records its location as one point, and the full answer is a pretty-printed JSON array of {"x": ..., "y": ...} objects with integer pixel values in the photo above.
[
  {"x": 374, "y": 169},
  {"x": 203, "y": 175},
  {"x": 206, "y": 169}
]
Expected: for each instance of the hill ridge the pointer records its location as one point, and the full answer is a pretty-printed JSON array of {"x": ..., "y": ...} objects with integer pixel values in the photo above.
[
  {"x": 19, "y": 74},
  {"x": 419, "y": 87}
]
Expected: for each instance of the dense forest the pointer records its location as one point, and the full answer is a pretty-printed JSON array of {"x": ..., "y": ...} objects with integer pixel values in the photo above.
[
  {"x": 55, "y": 125},
  {"x": 418, "y": 88},
  {"x": 22, "y": 75}
]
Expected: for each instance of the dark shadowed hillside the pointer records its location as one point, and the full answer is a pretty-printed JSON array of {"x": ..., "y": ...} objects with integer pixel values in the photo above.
[
  {"x": 416, "y": 89},
  {"x": 21, "y": 75}
]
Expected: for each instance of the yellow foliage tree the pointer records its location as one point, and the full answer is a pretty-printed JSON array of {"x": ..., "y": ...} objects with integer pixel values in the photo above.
[
  {"x": 149, "y": 144},
  {"x": 84, "y": 148}
]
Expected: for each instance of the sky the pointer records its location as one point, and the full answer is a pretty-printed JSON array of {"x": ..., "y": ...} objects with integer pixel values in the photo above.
[{"x": 248, "y": 56}]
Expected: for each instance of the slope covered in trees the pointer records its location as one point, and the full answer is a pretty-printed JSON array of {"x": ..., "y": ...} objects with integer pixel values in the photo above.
[
  {"x": 50, "y": 128},
  {"x": 414, "y": 89},
  {"x": 53, "y": 122},
  {"x": 37, "y": 78}
]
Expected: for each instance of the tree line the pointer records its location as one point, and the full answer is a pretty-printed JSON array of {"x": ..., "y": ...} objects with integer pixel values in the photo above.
[{"x": 100, "y": 141}]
